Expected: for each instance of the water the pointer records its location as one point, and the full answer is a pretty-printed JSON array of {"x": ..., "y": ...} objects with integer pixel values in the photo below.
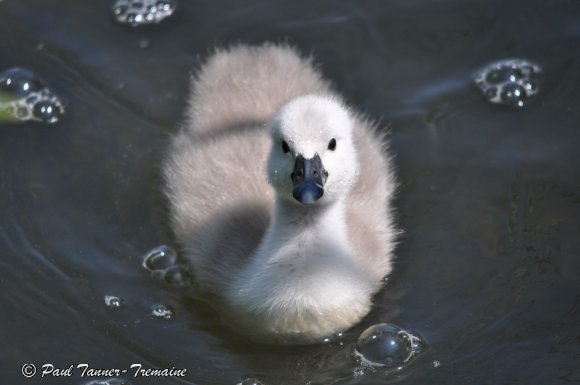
[{"x": 487, "y": 271}]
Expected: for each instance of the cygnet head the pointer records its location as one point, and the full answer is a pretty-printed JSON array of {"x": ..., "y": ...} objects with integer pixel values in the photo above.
[{"x": 313, "y": 158}]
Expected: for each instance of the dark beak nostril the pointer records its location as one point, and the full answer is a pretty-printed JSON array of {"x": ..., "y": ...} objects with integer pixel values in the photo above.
[{"x": 308, "y": 179}]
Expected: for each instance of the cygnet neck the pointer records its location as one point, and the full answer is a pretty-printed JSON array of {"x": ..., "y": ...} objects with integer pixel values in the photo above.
[
  {"x": 305, "y": 227},
  {"x": 290, "y": 214}
]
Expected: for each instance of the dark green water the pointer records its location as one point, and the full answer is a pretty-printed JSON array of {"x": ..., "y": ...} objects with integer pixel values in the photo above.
[{"x": 488, "y": 271}]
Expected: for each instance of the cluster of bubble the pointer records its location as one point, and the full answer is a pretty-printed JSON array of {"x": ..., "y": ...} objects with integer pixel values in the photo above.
[
  {"x": 140, "y": 12},
  {"x": 161, "y": 263},
  {"x": 388, "y": 345},
  {"x": 24, "y": 97},
  {"x": 511, "y": 82}
]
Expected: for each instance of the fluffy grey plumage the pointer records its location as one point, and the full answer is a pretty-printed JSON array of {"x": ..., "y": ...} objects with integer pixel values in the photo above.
[{"x": 285, "y": 272}]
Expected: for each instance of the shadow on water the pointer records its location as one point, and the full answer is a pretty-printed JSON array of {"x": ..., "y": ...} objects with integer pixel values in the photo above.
[{"x": 487, "y": 270}]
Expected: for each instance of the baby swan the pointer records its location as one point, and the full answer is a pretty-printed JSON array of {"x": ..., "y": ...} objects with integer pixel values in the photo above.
[{"x": 280, "y": 197}]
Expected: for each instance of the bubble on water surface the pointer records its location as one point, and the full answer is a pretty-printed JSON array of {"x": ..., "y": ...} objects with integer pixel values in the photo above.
[
  {"x": 160, "y": 258},
  {"x": 177, "y": 276},
  {"x": 24, "y": 97},
  {"x": 140, "y": 12},
  {"x": 47, "y": 111},
  {"x": 511, "y": 82},
  {"x": 114, "y": 301},
  {"x": 20, "y": 82},
  {"x": 162, "y": 311},
  {"x": 161, "y": 263},
  {"x": 388, "y": 345}
]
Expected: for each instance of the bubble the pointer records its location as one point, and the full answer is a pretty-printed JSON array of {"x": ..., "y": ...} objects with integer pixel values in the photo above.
[
  {"x": 511, "y": 82},
  {"x": 530, "y": 85},
  {"x": 491, "y": 92},
  {"x": 177, "y": 276},
  {"x": 24, "y": 97},
  {"x": 141, "y": 12},
  {"x": 160, "y": 258},
  {"x": 161, "y": 263},
  {"x": 162, "y": 311},
  {"x": 114, "y": 301},
  {"x": 31, "y": 99},
  {"x": 20, "y": 81},
  {"x": 47, "y": 111},
  {"x": 119, "y": 10},
  {"x": 503, "y": 74},
  {"x": 513, "y": 94},
  {"x": 387, "y": 345},
  {"x": 22, "y": 113}
]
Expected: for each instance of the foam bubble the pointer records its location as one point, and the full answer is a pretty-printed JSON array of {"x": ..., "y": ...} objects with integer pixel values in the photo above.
[
  {"x": 140, "y": 12},
  {"x": 511, "y": 82},
  {"x": 24, "y": 97},
  {"x": 387, "y": 345}
]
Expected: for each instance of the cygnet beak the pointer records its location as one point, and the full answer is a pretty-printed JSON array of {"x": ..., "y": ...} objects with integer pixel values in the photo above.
[{"x": 308, "y": 179}]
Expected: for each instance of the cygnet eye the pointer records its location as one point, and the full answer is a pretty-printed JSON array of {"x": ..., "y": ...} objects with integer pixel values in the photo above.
[
  {"x": 285, "y": 147},
  {"x": 332, "y": 144}
]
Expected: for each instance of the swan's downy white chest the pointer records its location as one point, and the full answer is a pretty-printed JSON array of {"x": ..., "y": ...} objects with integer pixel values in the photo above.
[{"x": 303, "y": 277}]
